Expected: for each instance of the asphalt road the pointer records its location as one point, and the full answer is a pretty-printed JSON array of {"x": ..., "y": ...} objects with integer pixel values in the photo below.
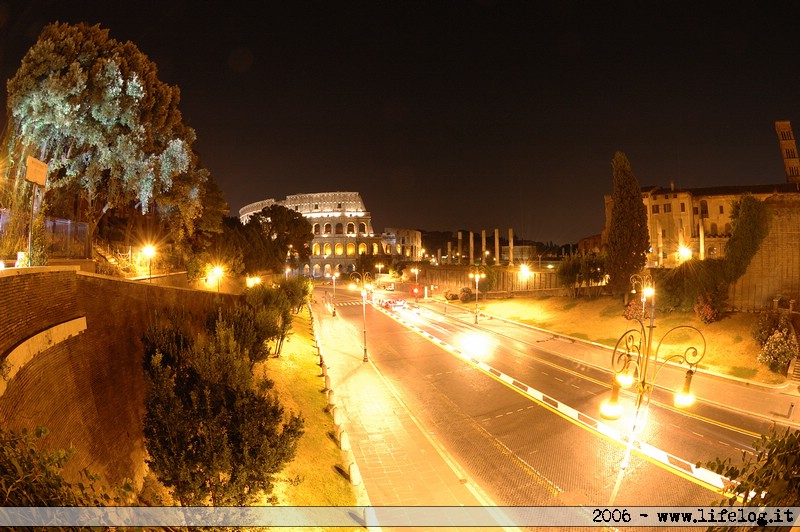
[{"x": 518, "y": 450}]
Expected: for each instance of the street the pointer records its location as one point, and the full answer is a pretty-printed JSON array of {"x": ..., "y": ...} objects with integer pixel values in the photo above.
[{"x": 523, "y": 452}]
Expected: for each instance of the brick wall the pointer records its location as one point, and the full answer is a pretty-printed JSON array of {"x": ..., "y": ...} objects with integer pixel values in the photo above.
[{"x": 88, "y": 390}]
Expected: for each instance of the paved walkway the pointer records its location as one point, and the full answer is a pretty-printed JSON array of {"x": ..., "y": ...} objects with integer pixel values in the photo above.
[{"x": 399, "y": 463}]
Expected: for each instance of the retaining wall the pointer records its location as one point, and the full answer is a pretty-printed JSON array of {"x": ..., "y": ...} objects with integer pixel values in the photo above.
[{"x": 87, "y": 389}]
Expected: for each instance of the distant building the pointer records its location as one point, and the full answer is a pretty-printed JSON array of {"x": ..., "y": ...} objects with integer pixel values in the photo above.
[
  {"x": 696, "y": 222},
  {"x": 342, "y": 229}
]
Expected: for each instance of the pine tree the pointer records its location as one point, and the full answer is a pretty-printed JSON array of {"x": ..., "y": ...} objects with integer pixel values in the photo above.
[{"x": 628, "y": 239}]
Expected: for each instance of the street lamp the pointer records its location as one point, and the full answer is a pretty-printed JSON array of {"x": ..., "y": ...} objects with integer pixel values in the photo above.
[
  {"x": 631, "y": 364},
  {"x": 149, "y": 251},
  {"x": 217, "y": 272},
  {"x": 415, "y": 271},
  {"x": 286, "y": 273},
  {"x": 477, "y": 275},
  {"x": 525, "y": 274},
  {"x": 364, "y": 279},
  {"x": 380, "y": 267}
]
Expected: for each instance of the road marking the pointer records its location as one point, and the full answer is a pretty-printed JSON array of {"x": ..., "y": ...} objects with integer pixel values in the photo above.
[{"x": 698, "y": 475}]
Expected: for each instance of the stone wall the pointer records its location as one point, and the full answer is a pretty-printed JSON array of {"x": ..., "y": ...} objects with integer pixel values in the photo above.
[
  {"x": 774, "y": 271},
  {"x": 88, "y": 390}
]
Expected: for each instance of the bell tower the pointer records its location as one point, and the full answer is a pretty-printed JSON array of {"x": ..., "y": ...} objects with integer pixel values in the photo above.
[{"x": 788, "y": 150}]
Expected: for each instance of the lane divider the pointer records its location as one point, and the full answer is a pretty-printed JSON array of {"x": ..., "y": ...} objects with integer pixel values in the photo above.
[{"x": 704, "y": 477}]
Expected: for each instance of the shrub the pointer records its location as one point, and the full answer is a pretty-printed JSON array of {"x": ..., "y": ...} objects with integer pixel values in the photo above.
[
  {"x": 779, "y": 350},
  {"x": 706, "y": 309},
  {"x": 465, "y": 295},
  {"x": 634, "y": 310},
  {"x": 769, "y": 322},
  {"x": 449, "y": 295}
]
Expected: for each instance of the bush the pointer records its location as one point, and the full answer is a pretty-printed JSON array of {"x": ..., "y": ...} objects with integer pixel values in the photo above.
[
  {"x": 769, "y": 322},
  {"x": 634, "y": 310},
  {"x": 449, "y": 295},
  {"x": 706, "y": 309},
  {"x": 465, "y": 295},
  {"x": 779, "y": 350}
]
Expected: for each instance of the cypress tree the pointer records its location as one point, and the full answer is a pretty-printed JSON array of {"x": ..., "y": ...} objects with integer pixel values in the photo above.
[{"x": 628, "y": 239}]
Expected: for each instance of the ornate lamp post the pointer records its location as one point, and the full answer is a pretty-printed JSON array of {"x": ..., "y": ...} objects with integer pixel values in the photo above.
[
  {"x": 364, "y": 279},
  {"x": 477, "y": 274},
  {"x": 631, "y": 363}
]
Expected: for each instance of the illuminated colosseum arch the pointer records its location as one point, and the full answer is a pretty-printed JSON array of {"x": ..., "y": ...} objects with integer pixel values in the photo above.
[
  {"x": 362, "y": 249},
  {"x": 351, "y": 248},
  {"x": 339, "y": 249}
]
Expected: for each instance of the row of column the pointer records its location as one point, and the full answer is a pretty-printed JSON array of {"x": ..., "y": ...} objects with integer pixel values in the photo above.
[{"x": 483, "y": 248}]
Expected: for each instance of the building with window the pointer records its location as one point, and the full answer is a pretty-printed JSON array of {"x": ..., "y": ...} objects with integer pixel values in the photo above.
[
  {"x": 692, "y": 222},
  {"x": 342, "y": 229}
]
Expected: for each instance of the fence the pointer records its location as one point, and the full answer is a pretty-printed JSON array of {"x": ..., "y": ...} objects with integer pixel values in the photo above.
[{"x": 66, "y": 239}]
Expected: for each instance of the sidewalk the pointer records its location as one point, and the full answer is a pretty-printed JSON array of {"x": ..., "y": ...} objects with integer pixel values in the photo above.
[{"x": 399, "y": 463}]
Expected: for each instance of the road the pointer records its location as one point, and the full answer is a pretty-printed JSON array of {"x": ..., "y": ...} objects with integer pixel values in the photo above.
[{"x": 524, "y": 451}]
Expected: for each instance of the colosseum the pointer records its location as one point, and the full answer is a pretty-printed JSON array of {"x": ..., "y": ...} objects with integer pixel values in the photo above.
[{"x": 342, "y": 229}]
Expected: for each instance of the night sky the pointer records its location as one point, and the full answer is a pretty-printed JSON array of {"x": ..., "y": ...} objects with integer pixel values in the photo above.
[{"x": 462, "y": 115}]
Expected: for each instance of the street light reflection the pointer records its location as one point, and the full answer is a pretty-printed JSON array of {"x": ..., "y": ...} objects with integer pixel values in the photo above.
[{"x": 476, "y": 344}]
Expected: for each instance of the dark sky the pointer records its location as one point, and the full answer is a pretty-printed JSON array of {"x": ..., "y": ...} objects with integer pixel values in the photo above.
[{"x": 463, "y": 115}]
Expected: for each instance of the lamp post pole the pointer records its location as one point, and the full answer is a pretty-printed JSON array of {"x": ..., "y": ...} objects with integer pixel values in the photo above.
[
  {"x": 630, "y": 362},
  {"x": 477, "y": 275},
  {"x": 364, "y": 279}
]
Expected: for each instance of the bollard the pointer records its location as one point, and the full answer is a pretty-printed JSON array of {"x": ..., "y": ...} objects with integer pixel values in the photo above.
[
  {"x": 355, "y": 474},
  {"x": 327, "y": 382},
  {"x": 331, "y": 400},
  {"x": 337, "y": 416},
  {"x": 324, "y": 369},
  {"x": 344, "y": 442},
  {"x": 791, "y": 409}
]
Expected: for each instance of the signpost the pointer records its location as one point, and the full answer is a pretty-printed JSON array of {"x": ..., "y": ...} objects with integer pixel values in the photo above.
[{"x": 36, "y": 174}]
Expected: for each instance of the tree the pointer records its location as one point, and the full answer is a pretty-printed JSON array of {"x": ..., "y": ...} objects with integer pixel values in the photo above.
[
  {"x": 749, "y": 227},
  {"x": 287, "y": 235},
  {"x": 212, "y": 433},
  {"x": 95, "y": 111},
  {"x": 770, "y": 476},
  {"x": 30, "y": 476},
  {"x": 628, "y": 239}
]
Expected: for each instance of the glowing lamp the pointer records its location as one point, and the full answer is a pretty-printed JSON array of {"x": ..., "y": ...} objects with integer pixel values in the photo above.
[
  {"x": 685, "y": 397},
  {"x": 610, "y": 408}
]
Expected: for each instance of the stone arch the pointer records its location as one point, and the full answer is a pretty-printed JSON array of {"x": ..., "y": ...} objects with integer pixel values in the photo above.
[
  {"x": 315, "y": 228},
  {"x": 327, "y": 228},
  {"x": 326, "y": 249},
  {"x": 362, "y": 249},
  {"x": 339, "y": 229},
  {"x": 315, "y": 249},
  {"x": 351, "y": 228},
  {"x": 362, "y": 227},
  {"x": 338, "y": 249},
  {"x": 351, "y": 248}
]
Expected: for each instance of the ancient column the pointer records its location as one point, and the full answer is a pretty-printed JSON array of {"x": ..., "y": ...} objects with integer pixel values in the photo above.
[
  {"x": 459, "y": 247},
  {"x": 483, "y": 247},
  {"x": 497, "y": 246},
  {"x": 510, "y": 246},
  {"x": 471, "y": 248}
]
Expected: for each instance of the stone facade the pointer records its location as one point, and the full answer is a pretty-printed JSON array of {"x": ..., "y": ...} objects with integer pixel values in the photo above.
[{"x": 697, "y": 220}]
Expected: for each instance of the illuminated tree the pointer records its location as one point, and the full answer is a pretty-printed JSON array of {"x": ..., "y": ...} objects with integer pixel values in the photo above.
[
  {"x": 628, "y": 240},
  {"x": 94, "y": 110}
]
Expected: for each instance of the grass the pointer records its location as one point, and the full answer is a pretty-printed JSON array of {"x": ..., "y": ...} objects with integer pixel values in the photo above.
[
  {"x": 730, "y": 348},
  {"x": 312, "y": 478}
]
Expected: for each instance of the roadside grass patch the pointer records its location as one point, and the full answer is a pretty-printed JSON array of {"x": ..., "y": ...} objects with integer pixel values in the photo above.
[{"x": 311, "y": 479}]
